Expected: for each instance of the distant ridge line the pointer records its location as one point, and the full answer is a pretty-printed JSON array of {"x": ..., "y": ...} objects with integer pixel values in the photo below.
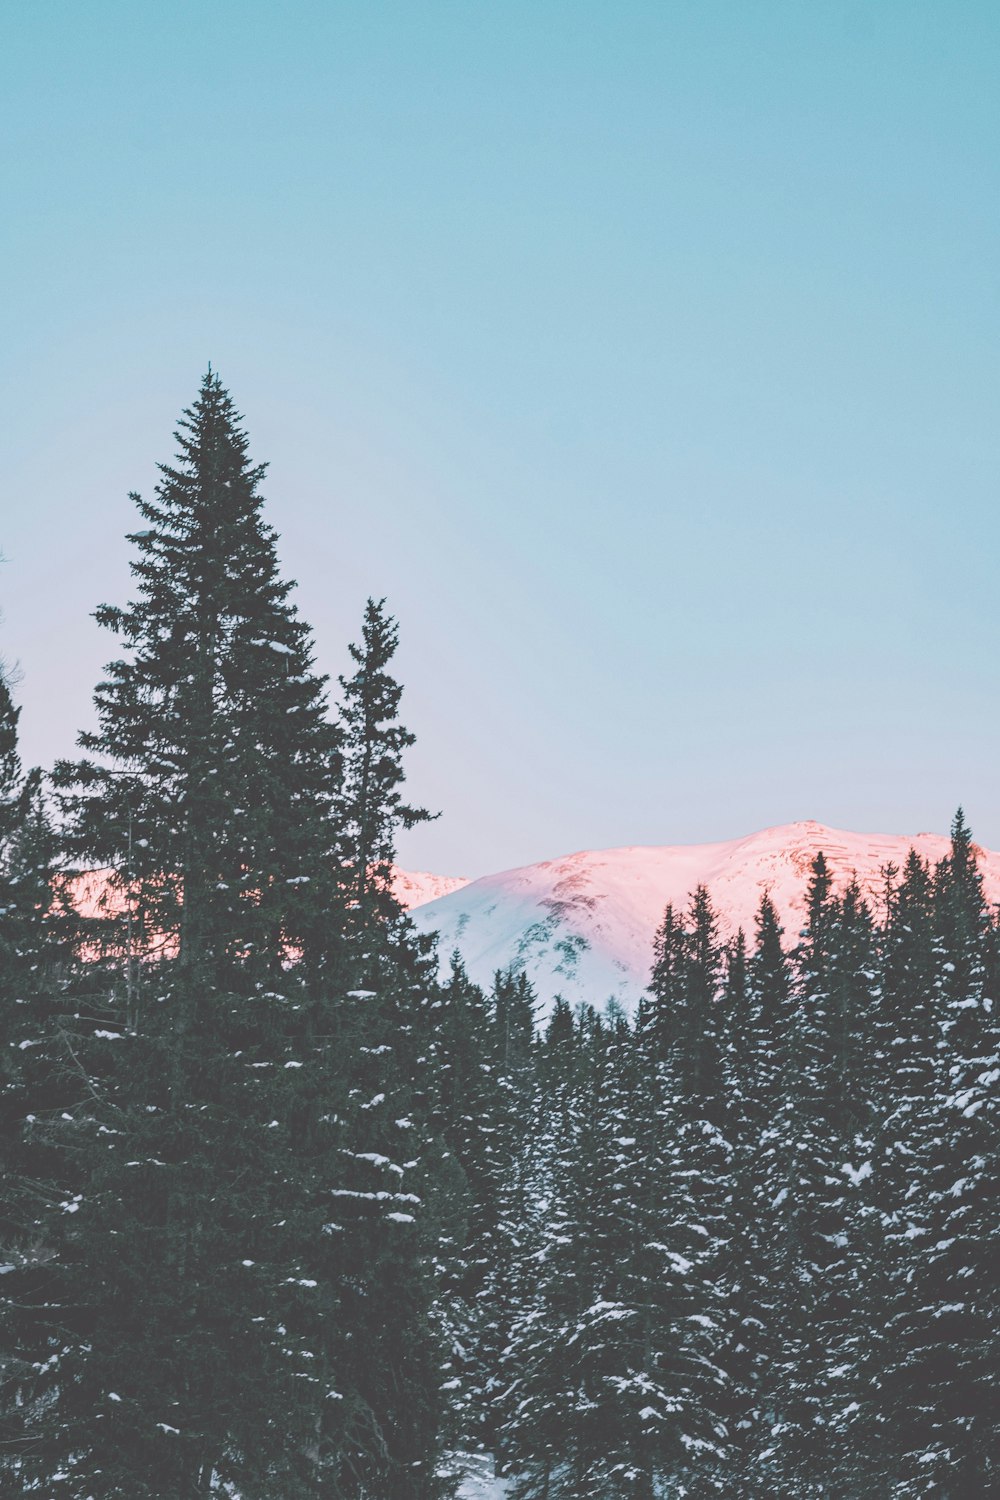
[{"x": 582, "y": 925}]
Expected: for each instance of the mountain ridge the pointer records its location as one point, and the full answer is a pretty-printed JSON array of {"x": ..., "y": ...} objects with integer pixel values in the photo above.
[{"x": 582, "y": 925}]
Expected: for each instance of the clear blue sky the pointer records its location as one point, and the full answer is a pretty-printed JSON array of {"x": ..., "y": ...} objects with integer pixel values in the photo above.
[{"x": 644, "y": 354}]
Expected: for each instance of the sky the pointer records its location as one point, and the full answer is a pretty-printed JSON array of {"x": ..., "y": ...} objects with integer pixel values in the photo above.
[{"x": 645, "y": 356}]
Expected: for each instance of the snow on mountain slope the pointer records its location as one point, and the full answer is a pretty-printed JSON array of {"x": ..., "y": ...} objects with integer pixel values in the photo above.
[
  {"x": 583, "y": 926},
  {"x": 416, "y": 887}
]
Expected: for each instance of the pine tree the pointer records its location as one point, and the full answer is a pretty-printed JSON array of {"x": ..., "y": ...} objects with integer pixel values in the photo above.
[
  {"x": 700, "y": 1114},
  {"x": 33, "y": 970},
  {"x": 374, "y": 742},
  {"x": 399, "y": 1113},
  {"x": 210, "y": 777},
  {"x": 514, "y": 1012},
  {"x": 939, "y": 1412},
  {"x": 648, "y": 1341},
  {"x": 33, "y": 924},
  {"x": 203, "y": 1099},
  {"x": 962, "y": 1274},
  {"x": 822, "y": 1155},
  {"x": 385, "y": 1204},
  {"x": 905, "y": 1046},
  {"x": 759, "y": 1014},
  {"x": 519, "y": 1119},
  {"x": 464, "y": 1119},
  {"x": 662, "y": 1003},
  {"x": 580, "y": 1402},
  {"x": 679, "y": 1032},
  {"x": 743, "y": 1271},
  {"x": 556, "y": 1056}
]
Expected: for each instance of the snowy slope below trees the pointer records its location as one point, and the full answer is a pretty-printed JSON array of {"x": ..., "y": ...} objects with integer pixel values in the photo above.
[{"x": 582, "y": 926}]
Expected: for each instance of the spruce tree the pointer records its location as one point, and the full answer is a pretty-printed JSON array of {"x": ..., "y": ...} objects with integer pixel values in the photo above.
[
  {"x": 742, "y": 1270},
  {"x": 209, "y": 778},
  {"x": 34, "y": 922},
  {"x": 679, "y": 1033},
  {"x": 520, "y": 1118},
  {"x": 403, "y": 1198},
  {"x": 544, "y": 1395},
  {"x": 822, "y": 1155},
  {"x": 759, "y": 1009},
  {"x": 198, "y": 1341},
  {"x": 514, "y": 1008},
  {"x": 464, "y": 1120},
  {"x": 374, "y": 740},
  {"x": 35, "y": 970},
  {"x": 938, "y": 1410},
  {"x": 905, "y": 1046}
]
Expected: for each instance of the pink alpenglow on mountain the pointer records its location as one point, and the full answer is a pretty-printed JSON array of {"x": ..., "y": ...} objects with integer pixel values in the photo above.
[
  {"x": 415, "y": 887},
  {"x": 583, "y": 926}
]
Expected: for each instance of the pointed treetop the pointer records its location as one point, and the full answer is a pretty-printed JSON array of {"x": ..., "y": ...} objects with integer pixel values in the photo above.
[
  {"x": 374, "y": 744},
  {"x": 769, "y": 928},
  {"x": 820, "y": 887},
  {"x": 962, "y": 848}
]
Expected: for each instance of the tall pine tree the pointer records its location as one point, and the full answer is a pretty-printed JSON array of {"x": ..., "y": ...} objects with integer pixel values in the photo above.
[{"x": 201, "y": 1317}]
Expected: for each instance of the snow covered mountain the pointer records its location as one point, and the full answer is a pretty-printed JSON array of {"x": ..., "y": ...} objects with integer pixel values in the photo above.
[{"x": 583, "y": 926}]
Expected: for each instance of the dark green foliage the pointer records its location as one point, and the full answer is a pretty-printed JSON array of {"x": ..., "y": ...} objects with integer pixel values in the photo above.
[
  {"x": 386, "y": 1207},
  {"x": 611, "y": 1353},
  {"x": 473, "y": 1172},
  {"x": 941, "y": 1198},
  {"x": 514, "y": 1026},
  {"x": 33, "y": 923},
  {"x": 372, "y": 806},
  {"x": 223, "y": 1174},
  {"x": 210, "y": 774},
  {"x": 401, "y": 1193},
  {"x": 34, "y": 967},
  {"x": 773, "y": 1211},
  {"x": 616, "y": 1387}
]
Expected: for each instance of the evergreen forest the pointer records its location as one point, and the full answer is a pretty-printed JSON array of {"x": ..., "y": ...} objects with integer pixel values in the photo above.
[{"x": 288, "y": 1214}]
